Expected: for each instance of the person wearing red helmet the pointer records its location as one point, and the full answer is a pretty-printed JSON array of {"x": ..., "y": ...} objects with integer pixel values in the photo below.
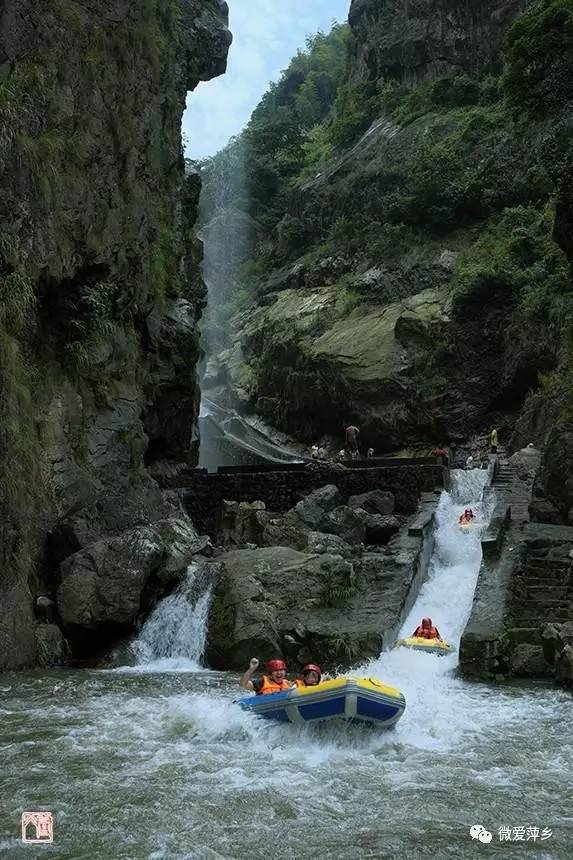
[
  {"x": 311, "y": 675},
  {"x": 426, "y": 630},
  {"x": 275, "y": 681}
]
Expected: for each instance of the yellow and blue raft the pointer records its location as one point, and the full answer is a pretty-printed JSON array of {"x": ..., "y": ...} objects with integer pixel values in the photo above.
[
  {"x": 350, "y": 700},
  {"x": 430, "y": 646}
]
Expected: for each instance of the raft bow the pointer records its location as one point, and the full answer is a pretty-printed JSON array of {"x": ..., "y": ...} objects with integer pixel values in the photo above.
[{"x": 350, "y": 700}]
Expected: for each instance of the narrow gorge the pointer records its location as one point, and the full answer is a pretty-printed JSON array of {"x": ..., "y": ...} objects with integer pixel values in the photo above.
[{"x": 286, "y": 378}]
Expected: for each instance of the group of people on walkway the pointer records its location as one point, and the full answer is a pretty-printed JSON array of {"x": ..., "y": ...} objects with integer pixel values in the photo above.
[{"x": 351, "y": 450}]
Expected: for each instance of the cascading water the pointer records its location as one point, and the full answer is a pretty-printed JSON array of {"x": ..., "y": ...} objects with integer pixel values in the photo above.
[
  {"x": 436, "y": 702},
  {"x": 447, "y": 594},
  {"x": 174, "y": 635},
  {"x": 172, "y": 765}
]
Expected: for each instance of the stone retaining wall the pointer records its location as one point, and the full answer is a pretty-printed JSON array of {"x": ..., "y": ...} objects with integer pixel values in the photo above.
[{"x": 202, "y": 492}]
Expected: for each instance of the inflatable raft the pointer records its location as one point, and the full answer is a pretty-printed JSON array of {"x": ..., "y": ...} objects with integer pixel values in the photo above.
[
  {"x": 430, "y": 646},
  {"x": 351, "y": 700}
]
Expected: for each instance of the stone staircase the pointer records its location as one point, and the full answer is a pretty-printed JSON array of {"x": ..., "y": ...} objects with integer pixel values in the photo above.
[
  {"x": 503, "y": 474},
  {"x": 541, "y": 593},
  {"x": 509, "y": 489}
]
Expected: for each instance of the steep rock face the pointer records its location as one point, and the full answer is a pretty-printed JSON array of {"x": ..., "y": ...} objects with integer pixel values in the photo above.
[
  {"x": 100, "y": 282},
  {"x": 414, "y": 40},
  {"x": 408, "y": 285}
]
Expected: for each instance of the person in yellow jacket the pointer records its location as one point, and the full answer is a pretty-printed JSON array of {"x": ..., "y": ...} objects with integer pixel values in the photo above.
[
  {"x": 275, "y": 681},
  {"x": 493, "y": 441}
]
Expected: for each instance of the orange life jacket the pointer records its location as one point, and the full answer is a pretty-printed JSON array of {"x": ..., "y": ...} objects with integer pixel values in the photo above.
[
  {"x": 270, "y": 686},
  {"x": 427, "y": 633}
]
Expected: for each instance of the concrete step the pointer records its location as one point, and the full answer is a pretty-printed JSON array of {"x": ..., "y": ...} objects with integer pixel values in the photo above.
[
  {"x": 541, "y": 616},
  {"x": 548, "y": 562},
  {"x": 538, "y": 578},
  {"x": 539, "y": 586},
  {"x": 544, "y": 596}
]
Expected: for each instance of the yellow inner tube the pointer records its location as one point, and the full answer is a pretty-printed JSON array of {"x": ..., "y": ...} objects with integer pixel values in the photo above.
[{"x": 420, "y": 642}]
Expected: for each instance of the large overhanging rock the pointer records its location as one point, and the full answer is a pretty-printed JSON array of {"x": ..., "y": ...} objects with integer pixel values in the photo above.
[{"x": 109, "y": 583}]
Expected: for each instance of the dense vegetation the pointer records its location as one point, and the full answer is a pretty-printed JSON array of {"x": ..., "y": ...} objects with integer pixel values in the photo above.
[
  {"x": 477, "y": 155},
  {"x": 284, "y": 135}
]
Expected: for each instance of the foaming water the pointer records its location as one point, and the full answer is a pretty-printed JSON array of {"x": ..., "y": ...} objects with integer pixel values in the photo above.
[
  {"x": 157, "y": 765},
  {"x": 173, "y": 637},
  {"x": 441, "y": 707}
]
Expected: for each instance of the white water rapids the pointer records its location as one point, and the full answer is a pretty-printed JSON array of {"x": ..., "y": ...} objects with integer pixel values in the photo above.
[{"x": 154, "y": 765}]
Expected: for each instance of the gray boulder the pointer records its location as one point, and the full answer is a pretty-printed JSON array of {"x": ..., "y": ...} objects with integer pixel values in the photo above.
[
  {"x": 51, "y": 647},
  {"x": 374, "y": 502},
  {"x": 378, "y": 529},
  {"x": 527, "y": 661},
  {"x": 276, "y": 600},
  {"x": 564, "y": 666},
  {"x": 554, "y": 638},
  {"x": 241, "y": 523},
  {"x": 104, "y": 583},
  {"x": 346, "y": 523},
  {"x": 313, "y": 509},
  {"x": 320, "y": 542}
]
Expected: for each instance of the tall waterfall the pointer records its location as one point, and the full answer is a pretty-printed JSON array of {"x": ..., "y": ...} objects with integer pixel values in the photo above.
[{"x": 174, "y": 635}]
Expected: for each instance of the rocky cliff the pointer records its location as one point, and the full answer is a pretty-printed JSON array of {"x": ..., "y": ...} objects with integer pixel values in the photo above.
[
  {"x": 410, "y": 280},
  {"x": 414, "y": 40},
  {"x": 100, "y": 291}
]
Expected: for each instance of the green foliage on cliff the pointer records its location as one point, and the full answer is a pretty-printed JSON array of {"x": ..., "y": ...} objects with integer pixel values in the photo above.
[
  {"x": 85, "y": 319},
  {"x": 516, "y": 258},
  {"x": 538, "y": 75},
  {"x": 283, "y": 135}
]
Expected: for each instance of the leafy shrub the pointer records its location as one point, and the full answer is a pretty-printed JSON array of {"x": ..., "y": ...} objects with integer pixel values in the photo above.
[
  {"x": 354, "y": 110},
  {"x": 539, "y": 58},
  {"x": 291, "y": 234},
  {"x": 516, "y": 260},
  {"x": 85, "y": 320}
]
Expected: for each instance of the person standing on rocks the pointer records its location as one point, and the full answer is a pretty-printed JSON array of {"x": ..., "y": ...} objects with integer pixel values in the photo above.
[
  {"x": 493, "y": 441},
  {"x": 274, "y": 682},
  {"x": 351, "y": 435}
]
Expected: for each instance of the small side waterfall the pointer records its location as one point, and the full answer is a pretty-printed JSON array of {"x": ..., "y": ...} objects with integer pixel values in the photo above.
[{"x": 174, "y": 635}]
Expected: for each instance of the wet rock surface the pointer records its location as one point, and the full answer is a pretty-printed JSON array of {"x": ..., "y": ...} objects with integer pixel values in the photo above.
[
  {"x": 109, "y": 583},
  {"x": 97, "y": 215}
]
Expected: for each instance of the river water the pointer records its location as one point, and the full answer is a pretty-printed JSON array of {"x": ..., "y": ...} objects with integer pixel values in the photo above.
[{"x": 154, "y": 761}]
